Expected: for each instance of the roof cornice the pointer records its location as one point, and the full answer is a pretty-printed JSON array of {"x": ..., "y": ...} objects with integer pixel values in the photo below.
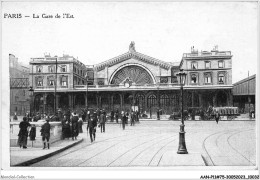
[{"x": 135, "y": 55}]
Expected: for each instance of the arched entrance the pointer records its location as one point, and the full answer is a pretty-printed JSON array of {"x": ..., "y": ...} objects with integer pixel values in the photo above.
[
  {"x": 116, "y": 102},
  {"x": 221, "y": 99},
  {"x": 80, "y": 100},
  {"x": 64, "y": 101},
  {"x": 38, "y": 103},
  {"x": 140, "y": 102},
  {"x": 50, "y": 104}
]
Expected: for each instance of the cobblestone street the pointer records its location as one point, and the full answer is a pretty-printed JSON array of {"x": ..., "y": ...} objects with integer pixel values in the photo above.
[{"x": 155, "y": 143}]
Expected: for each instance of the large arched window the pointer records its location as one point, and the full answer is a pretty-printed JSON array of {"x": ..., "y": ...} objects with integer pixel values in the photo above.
[
  {"x": 151, "y": 101},
  {"x": 138, "y": 75}
]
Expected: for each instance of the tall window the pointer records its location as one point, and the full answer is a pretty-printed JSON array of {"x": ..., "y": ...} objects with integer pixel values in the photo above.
[
  {"x": 51, "y": 81},
  {"x": 63, "y": 68},
  {"x": 39, "y": 69},
  {"x": 51, "y": 69},
  {"x": 207, "y": 77},
  {"x": 220, "y": 64},
  {"x": 39, "y": 81},
  {"x": 221, "y": 78},
  {"x": 207, "y": 64},
  {"x": 151, "y": 100},
  {"x": 164, "y": 100},
  {"x": 64, "y": 81},
  {"x": 194, "y": 79},
  {"x": 194, "y": 65}
]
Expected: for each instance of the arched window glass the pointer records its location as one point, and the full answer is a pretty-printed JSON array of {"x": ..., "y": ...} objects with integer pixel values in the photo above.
[
  {"x": 164, "y": 100},
  {"x": 139, "y": 100},
  {"x": 151, "y": 100}
]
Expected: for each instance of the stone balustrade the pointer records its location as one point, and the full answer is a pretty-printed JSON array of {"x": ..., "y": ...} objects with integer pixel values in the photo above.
[{"x": 55, "y": 133}]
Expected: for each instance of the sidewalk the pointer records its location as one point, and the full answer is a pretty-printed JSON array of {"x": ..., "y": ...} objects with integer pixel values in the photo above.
[{"x": 26, "y": 157}]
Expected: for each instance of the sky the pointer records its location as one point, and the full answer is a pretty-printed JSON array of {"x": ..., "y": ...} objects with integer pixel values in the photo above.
[{"x": 102, "y": 30}]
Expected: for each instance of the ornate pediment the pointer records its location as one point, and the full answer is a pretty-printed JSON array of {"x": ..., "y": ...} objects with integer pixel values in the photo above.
[{"x": 135, "y": 55}]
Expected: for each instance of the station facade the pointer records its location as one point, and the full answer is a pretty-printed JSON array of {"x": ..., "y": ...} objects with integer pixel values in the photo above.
[{"x": 132, "y": 81}]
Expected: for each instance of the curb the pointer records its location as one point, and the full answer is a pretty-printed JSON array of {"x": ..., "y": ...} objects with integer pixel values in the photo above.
[{"x": 35, "y": 160}]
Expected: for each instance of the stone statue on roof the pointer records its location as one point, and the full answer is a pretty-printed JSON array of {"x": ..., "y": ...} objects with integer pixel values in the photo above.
[{"x": 132, "y": 46}]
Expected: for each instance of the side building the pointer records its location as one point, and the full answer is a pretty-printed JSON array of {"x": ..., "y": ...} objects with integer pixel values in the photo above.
[
  {"x": 19, "y": 95},
  {"x": 55, "y": 81},
  {"x": 209, "y": 78},
  {"x": 244, "y": 94}
]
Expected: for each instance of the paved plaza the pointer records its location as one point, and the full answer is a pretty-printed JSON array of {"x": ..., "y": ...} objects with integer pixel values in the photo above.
[{"x": 155, "y": 143}]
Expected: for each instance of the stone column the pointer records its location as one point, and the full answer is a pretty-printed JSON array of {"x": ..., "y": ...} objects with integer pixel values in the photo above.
[
  {"x": 70, "y": 103},
  {"x": 200, "y": 100},
  {"x": 112, "y": 102},
  {"x": 192, "y": 98},
  {"x": 57, "y": 101},
  {"x": 44, "y": 102}
]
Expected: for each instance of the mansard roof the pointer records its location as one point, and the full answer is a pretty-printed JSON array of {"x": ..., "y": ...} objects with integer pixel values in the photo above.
[{"x": 133, "y": 54}]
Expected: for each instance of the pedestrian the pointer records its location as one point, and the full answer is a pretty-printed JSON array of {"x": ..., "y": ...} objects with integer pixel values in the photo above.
[
  {"x": 137, "y": 115},
  {"x": 80, "y": 123},
  {"x": 217, "y": 116},
  {"x": 15, "y": 118},
  {"x": 83, "y": 116},
  {"x": 103, "y": 121},
  {"x": 23, "y": 133},
  {"x": 45, "y": 132},
  {"x": 132, "y": 118},
  {"x": 74, "y": 124},
  {"x": 117, "y": 115},
  {"x": 112, "y": 116},
  {"x": 91, "y": 127},
  {"x": 123, "y": 120},
  {"x": 66, "y": 130}
]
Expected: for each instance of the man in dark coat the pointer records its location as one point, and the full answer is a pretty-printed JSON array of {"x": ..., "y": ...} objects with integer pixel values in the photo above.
[
  {"x": 74, "y": 123},
  {"x": 91, "y": 127},
  {"x": 217, "y": 116},
  {"x": 117, "y": 116},
  {"x": 103, "y": 122},
  {"x": 23, "y": 133},
  {"x": 45, "y": 132},
  {"x": 124, "y": 119},
  {"x": 112, "y": 116}
]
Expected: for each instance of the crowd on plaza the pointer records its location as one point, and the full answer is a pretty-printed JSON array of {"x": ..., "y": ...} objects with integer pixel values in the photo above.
[{"x": 72, "y": 124}]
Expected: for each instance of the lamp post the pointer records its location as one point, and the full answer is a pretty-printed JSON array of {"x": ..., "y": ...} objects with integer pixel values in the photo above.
[
  {"x": 86, "y": 101},
  {"x": 182, "y": 145},
  {"x": 31, "y": 91}
]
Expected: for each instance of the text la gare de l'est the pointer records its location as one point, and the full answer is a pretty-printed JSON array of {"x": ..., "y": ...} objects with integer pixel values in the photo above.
[
  {"x": 43, "y": 15},
  {"x": 64, "y": 15}
]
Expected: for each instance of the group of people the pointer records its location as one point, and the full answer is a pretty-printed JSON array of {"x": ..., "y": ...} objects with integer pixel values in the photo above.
[{"x": 27, "y": 129}]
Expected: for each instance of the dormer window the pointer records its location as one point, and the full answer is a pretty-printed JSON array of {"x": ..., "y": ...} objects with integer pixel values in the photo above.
[{"x": 194, "y": 65}]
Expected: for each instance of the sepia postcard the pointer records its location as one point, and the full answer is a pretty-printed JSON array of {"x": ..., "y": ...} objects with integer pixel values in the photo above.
[{"x": 130, "y": 90}]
